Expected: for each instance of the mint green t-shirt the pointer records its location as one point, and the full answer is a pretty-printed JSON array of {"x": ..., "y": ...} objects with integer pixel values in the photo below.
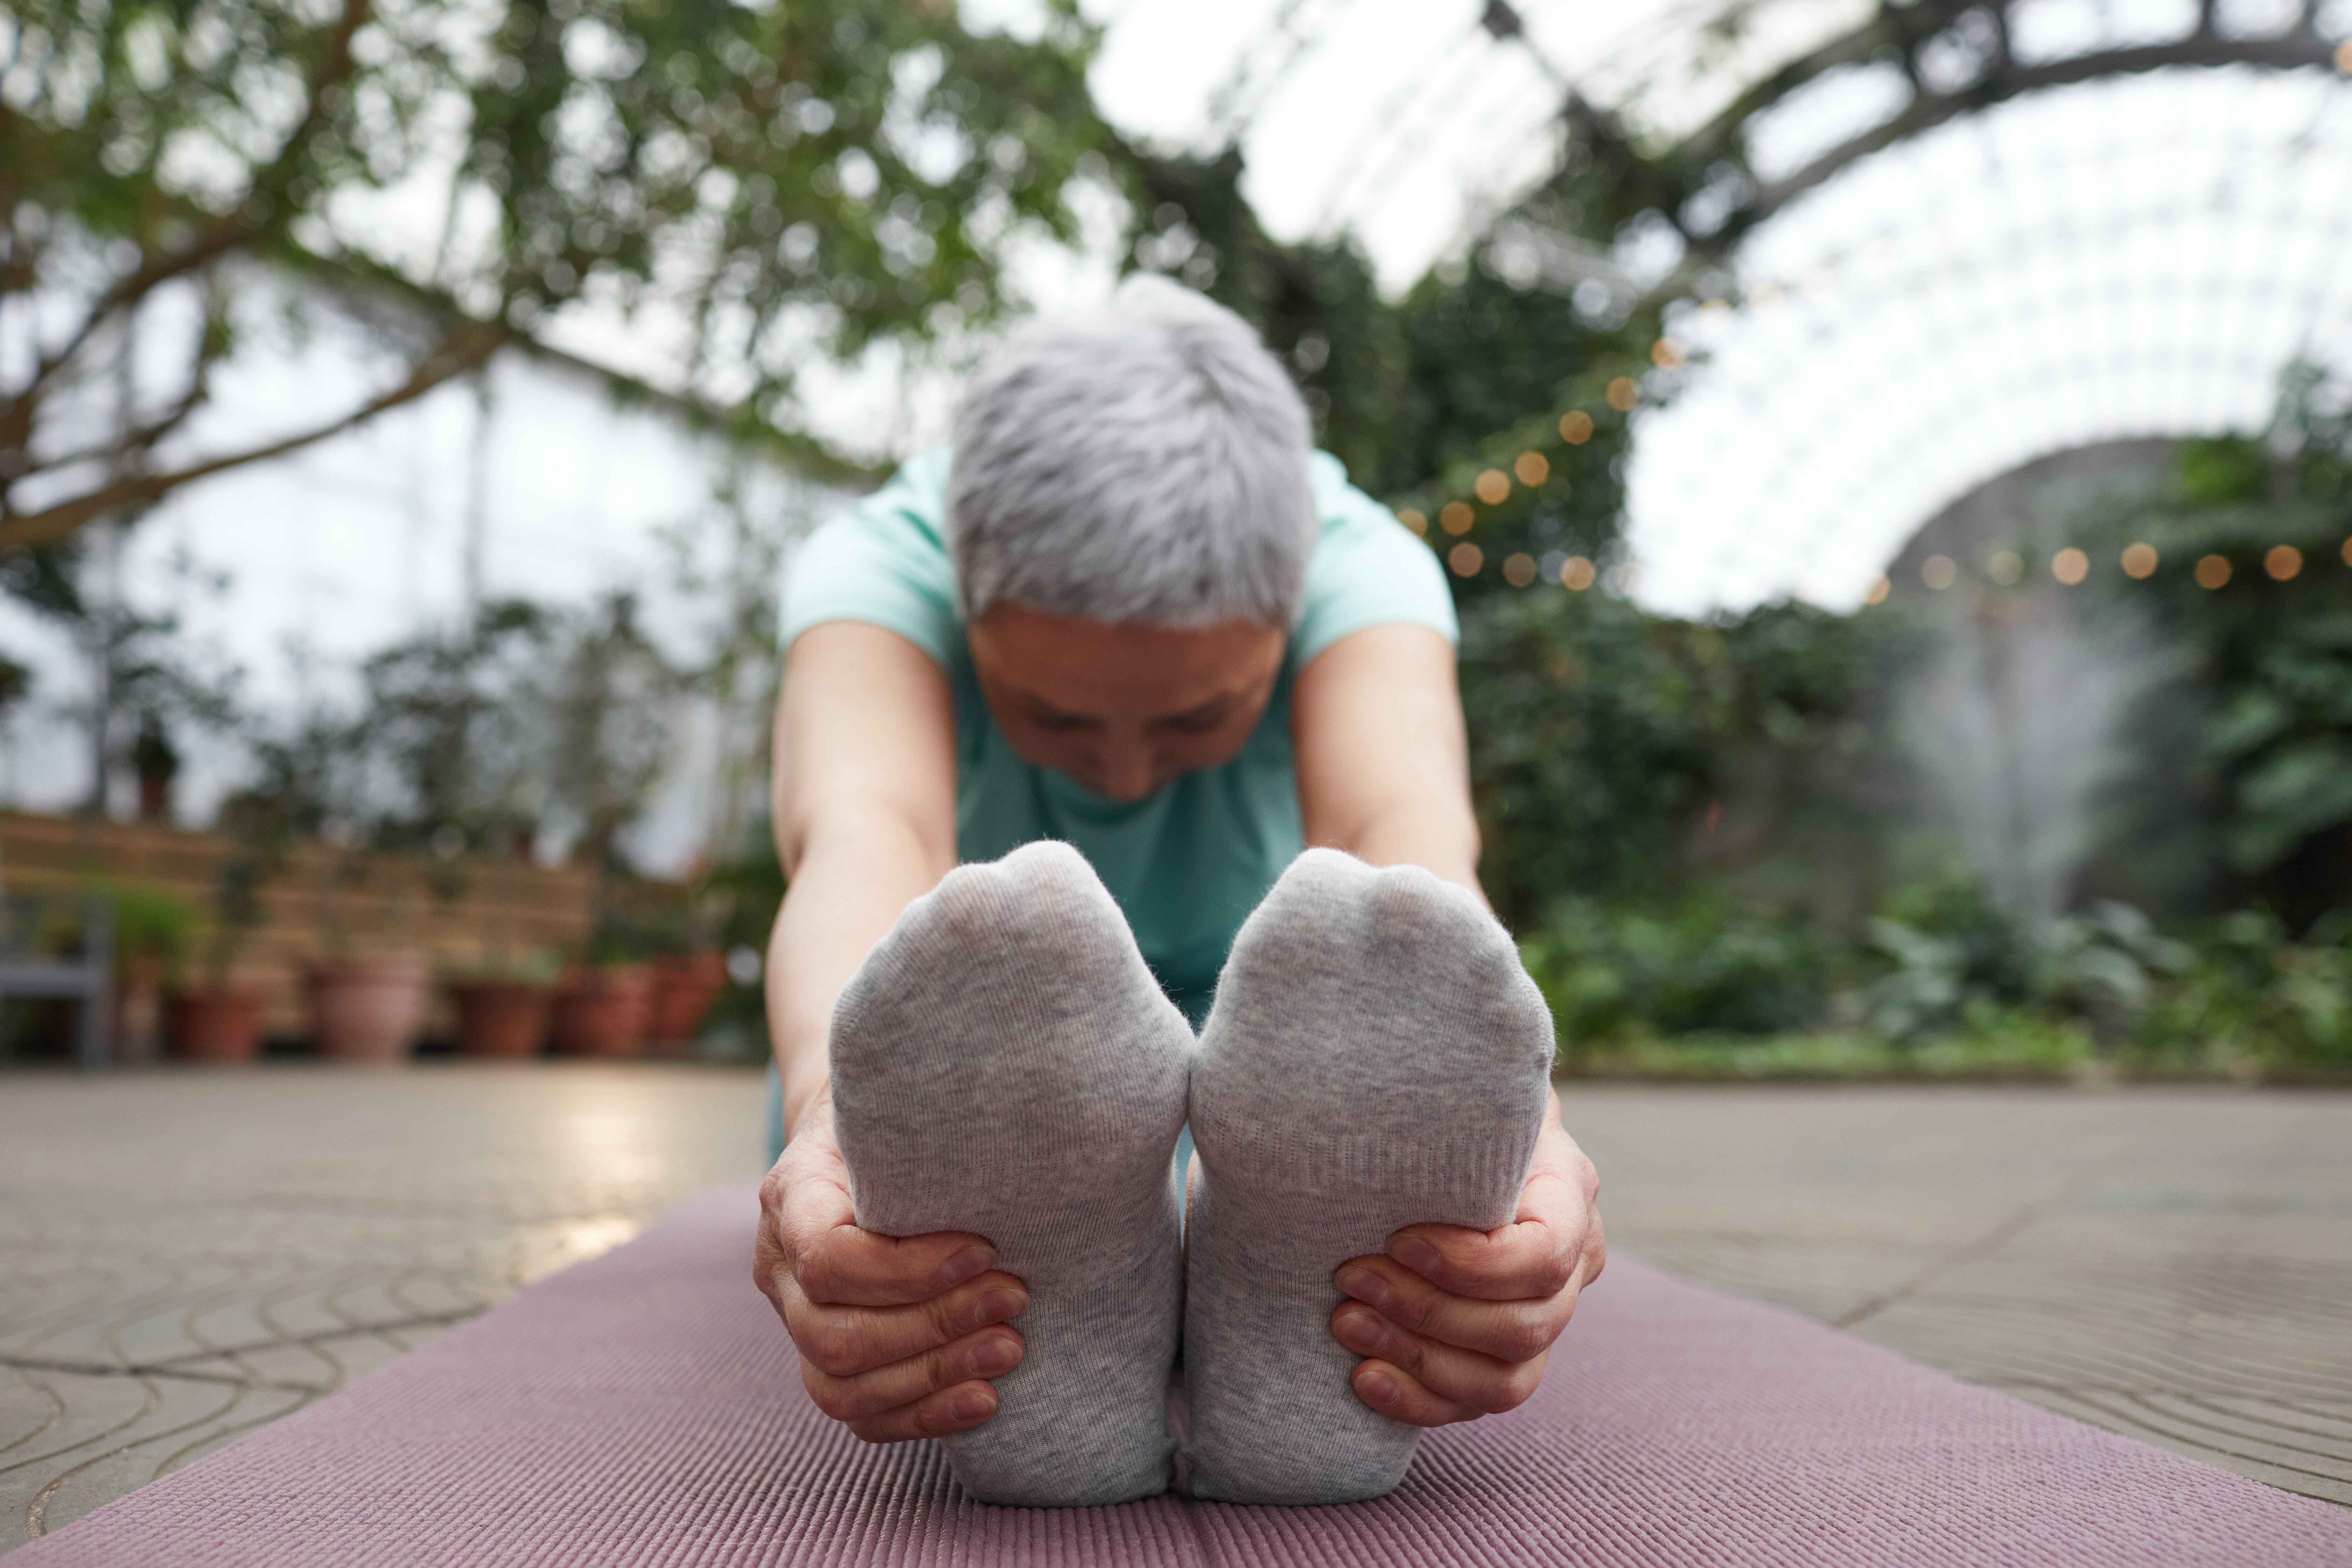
[{"x": 1188, "y": 864}]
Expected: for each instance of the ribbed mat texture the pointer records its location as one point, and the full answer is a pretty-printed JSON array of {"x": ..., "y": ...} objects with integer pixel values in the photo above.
[{"x": 645, "y": 1408}]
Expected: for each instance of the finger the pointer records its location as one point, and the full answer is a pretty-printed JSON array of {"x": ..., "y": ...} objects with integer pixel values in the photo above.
[
  {"x": 1479, "y": 1383},
  {"x": 808, "y": 1221},
  {"x": 846, "y": 1341},
  {"x": 847, "y": 1266},
  {"x": 1394, "y": 1394},
  {"x": 957, "y": 1409},
  {"x": 1507, "y": 1331},
  {"x": 1519, "y": 1261},
  {"x": 991, "y": 1352}
]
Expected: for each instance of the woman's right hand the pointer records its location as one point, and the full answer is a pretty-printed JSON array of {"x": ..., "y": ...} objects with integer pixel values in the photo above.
[{"x": 898, "y": 1336}]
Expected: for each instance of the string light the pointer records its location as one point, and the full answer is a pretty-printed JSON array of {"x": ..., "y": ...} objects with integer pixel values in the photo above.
[
  {"x": 2139, "y": 561},
  {"x": 1623, "y": 395},
  {"x": 1519, "y": 570},
  {"x": 1533, "y": 468},
  {"x": 1878, "y": 592},
  {"x": 1576, "y": 575},
  {"x": 1576, "y": 429},
  {"x": 1415, "y": 520},
  {"x": 1494, "y": 487},
  {"x": 1939, "y": 572},
  {"x": 1667, "y": 353},
  {"x": 1465, "y": 558},
  {"x": 2343, "y": 56},
  {"x": 2347, "y": 553},
  {"x": 2283, "y": 563},
  {"x": 2006, "y": 568},
  {"x": 2070, "y": 566},
  {"x": 2213, "y": 572},
  {"x": 1455, "y": 517}
]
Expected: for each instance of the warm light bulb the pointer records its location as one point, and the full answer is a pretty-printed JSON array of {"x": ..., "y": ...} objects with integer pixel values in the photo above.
[
  {"x": 2283, "y": 563},
  {"x": 1533, "y": 468},
  {"x": 1415, "y": 520},
  {"x": 1576, "y": 429},
  {"x": 2070, "y": 566},
  {"x": 1519, "y": 570},
  {"x": 2139, "y": 561},
  {"x": 1878, "y": 592},
  {"x": 1939, "y": 572},
  {"x": 1494, "y": 487},
  {"x": 2007, "y": 568},
  {"x": 1455, "y": 517},
  {"x": 1623, "y": 395},
  {"x": 1465, "y": 558},
  {"x": 2213, "y": 572},
  {"x": 1575, "y": 575}
]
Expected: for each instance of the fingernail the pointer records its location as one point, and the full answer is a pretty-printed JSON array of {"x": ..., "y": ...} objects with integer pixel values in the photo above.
[
  {"x": 997, "y": 1306},
  {"x": 994, "y": 1355},
  {"x": 972, "y": 1404},
  {"x": 972, "y": 1260},
  {"x": 1415, "y": 1254},
  {"x": 1366, "y": 1286},
  {"x": 1361, "y": 1331},
  {"x": 1379, "y": 1387}
]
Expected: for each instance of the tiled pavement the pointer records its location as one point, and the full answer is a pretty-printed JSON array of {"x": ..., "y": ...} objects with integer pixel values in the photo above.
[{"x": 185, "y": 1256}]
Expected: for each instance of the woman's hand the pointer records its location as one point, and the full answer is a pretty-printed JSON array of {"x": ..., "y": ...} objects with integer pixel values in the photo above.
[
  {"x": 1455, "y": 1323},
  {"x": 898, "y": 1336}
]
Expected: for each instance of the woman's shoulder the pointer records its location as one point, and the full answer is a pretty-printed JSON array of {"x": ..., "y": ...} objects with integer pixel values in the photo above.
[{"x": 1367, "y": 569}]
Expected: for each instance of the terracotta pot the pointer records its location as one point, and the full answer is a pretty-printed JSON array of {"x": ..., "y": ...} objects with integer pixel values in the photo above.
[
  {"x": 502, "y": 1017},
  {"x": 213, "y": 1025},
  {"x": 684, "y": 989},
  {"x": 603, "y": 1012},
  {"x": 369, "y": 1009}
]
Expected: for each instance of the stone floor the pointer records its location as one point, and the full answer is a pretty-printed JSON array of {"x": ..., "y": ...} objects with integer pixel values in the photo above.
[{"x": 185, "y": 1256}]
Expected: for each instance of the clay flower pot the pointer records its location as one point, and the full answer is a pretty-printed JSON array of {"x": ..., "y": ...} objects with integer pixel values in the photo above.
[
  {"x": 369, "y": 1009},
  {"x": 213, "y": 1025},
  {"x": 604, "y": 1012},
  {"x": 684, "y": 988},
  {"x": 502, "y": 1017}
]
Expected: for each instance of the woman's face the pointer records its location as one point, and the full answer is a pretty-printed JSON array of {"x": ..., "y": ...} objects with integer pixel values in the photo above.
[{"x": 1123, "y": 709}]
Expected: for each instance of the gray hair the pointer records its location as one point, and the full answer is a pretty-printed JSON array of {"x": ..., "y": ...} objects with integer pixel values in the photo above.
[{"x": 1144, "y": 463}]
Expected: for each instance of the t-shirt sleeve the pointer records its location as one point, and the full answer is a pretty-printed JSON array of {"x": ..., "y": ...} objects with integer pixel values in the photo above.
[
  {"x": 1367, "y": 570},
  {"x": 885, "y": 562}
]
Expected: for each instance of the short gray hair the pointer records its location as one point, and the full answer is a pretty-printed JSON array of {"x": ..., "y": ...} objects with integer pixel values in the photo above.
[{"x": 1144, "y": 463}]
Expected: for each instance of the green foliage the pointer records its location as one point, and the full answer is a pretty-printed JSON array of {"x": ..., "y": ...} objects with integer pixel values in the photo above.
[
  {"x": 790, "y": 182},
  {"x": 1696, "y": 968},
  {"x": 1601, "y": 737},
  {"x": 151, "y": 926},
  {"x": 2253, "y": 996},
  {"x": 2270, "y": 659}
]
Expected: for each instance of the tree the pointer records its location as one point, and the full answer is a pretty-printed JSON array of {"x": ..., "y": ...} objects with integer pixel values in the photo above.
[{"x": 782, "y": 182}]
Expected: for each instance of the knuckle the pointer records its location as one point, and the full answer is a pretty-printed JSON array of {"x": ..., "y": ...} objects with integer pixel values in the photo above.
[
  {"x": 1523, "y": 1337},
  {"x": 836, "y": 1348}
]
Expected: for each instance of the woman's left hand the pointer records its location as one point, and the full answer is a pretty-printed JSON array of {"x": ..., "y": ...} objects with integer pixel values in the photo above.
[{"x": 1456, "y": 1323}]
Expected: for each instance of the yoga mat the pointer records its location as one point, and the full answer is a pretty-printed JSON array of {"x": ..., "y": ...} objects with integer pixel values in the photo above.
[{"x": 646, "y": 1408}]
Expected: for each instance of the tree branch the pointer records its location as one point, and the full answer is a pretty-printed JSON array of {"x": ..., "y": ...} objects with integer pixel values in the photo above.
[
  {"x": 222, "y": 235},
  {"x": 462, "y": 351}
]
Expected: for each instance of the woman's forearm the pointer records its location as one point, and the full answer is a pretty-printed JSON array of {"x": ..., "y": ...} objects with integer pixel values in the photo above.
[{"x": 857, "y": 873}]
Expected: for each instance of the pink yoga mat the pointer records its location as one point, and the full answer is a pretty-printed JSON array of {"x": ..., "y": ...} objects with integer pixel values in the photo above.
[{"x": 645, "y": 1408}]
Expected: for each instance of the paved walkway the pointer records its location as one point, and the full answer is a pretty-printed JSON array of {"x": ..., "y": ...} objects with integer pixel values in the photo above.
[{"x": 185, "y": 1256}]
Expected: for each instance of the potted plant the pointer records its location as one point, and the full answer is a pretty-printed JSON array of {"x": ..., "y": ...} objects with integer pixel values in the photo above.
[
  {"x": 213, "y": 1021},
  {"x": 364, "y": 1008},
  {"x": 503, "y": 1009},
  {"x": 685, "y": 984},
  {"x": 602, "y": 1007},
  {"x": 157, "y": 763},
  {"x": 151, "y": 933}
]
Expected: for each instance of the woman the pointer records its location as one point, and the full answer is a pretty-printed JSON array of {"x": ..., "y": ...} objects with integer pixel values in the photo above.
[{"x": 1134, "y": 611}]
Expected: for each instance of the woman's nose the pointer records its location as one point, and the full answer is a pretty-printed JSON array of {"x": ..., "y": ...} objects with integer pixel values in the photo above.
[{"x": 1129, "y": 772}]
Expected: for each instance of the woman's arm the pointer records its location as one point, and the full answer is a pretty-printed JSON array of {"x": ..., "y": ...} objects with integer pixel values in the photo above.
[
  {"x": 897, "y": 1337},
  {"x": 1452, "y": 1323}
]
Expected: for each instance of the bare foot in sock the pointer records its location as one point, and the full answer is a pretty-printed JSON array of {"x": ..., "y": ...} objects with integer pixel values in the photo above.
[
  {"x": 1004, "y": 1064},
  {"x": 1376, "y": 1058}
]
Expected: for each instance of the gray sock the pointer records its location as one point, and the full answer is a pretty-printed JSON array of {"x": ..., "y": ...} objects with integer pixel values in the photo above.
[
  {"x": 1376, "y": 1058},
  {"x": 1004, "y": 1063}
]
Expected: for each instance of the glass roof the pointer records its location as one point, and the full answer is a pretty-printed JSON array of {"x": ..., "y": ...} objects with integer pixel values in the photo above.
[{"x": 2136, "y": 256}]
